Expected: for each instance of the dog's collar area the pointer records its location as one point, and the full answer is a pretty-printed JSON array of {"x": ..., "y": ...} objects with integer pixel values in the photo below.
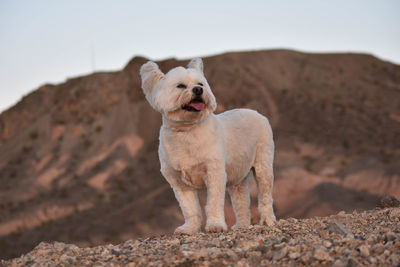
[{"x": 180, "y": 126}]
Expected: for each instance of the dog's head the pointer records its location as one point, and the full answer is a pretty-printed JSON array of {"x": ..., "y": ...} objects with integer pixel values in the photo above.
[{"x": 182, "y": 95}]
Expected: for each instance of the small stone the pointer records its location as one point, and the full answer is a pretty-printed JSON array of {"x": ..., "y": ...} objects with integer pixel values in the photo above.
[
  {"x": 294, "y": 255},
  {"x": 327, "y": 244},
  {"x": 339, "y": 263},
  {"x": 359, "y": 237},
  {"x": 295, "y": 249},
  {"x": 280, "y": 254},
  {"x": 386, "y": 252},
  {"x": 175, "y": 241},
  {"x": 104, "y": 251},
  {"x": 59, "y": 246},
  {"x": 63, "y": 257},
  {"x": 262, "y": 248},
  {"x": 323, "y": 233},
  {"x": 364, "y": 250},
  {"x": 378, "y": 249},
  {"x": 71, "y": 260},
  {"x": 241, "y": 263},
  {"x": 394, "y": 213},
  {"x": 322, "y": 255},
  {"x": 280, "y": 245},
  {"x": 248, "y": 244},
  {"x": 352, "y": 263},
  {"x": 250, "y": 254},
  {"x": 362, "y": 221},
  {"x": 336, "y": 227},
  {"x": 305, "y": 258},
  {"x": 281, "y": 222},
  {"x": 115, "y": 252},
  {"x": 390, "y": 236}
]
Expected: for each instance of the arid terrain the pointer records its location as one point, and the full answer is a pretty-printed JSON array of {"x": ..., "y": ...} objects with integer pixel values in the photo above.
[
  {"x": 370, "y": 238},
  {"x": 79, "y": 164}
]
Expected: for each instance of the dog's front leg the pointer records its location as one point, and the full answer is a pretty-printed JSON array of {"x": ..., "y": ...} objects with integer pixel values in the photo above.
[
  {"x": 216, "y": 183},
  {"x": 189, "y": 203}
]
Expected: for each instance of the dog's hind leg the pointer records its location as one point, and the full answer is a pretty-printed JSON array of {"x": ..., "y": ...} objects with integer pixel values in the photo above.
[
  {"x": 264, "y": 176},
  {"x": 240, "y": 198}
]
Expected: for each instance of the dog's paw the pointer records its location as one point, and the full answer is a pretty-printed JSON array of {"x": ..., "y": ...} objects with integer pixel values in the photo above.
[
  {"x": 216, "y": 227},
  {"x": 268, "y": 220},
  {"x": 187, "y": 229}
]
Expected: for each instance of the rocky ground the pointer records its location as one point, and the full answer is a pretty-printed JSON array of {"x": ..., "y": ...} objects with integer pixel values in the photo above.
[{"x": 346, "y": 239}]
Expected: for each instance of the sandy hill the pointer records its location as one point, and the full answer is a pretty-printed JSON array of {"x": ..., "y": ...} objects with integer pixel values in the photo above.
[{"x": 78, "y": 160}]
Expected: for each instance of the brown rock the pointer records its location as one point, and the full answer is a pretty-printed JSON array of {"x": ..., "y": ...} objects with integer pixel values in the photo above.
[
  {"x": 336, "y": 227},
  {"x": 305, "y": 258},
  {"x": 339, "y": 263},
  {"x": 294, "y": 255},
  {"x": 394, "y": 214},
  {"x": 280, "y": 254},
  {"x": 323, "y": 233},
  {"x": 351, "y": 262},
  {"x": 322, "y": 255},
  {"x": 388, "y": 202},
  {"x": 364, "y": 250}
]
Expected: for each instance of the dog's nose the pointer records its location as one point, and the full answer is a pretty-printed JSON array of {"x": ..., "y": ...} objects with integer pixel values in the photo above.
[{"x": 197, "y": 90}]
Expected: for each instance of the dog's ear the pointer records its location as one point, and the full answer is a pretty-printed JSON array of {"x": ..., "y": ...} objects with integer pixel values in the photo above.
[
  {"x": 151, "y": 75},
  {"x": 197, "y": 64}
]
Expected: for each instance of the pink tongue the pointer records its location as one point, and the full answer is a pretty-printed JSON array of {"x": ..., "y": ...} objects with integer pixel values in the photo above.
[{"x": 197, "y": 105}]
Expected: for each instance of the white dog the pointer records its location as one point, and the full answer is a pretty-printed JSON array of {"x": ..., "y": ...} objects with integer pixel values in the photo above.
[{"x": 200, "y": 149}]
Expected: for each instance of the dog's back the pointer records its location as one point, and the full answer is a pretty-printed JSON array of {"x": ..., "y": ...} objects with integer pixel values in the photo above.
[{"x": 244, "y": 132}]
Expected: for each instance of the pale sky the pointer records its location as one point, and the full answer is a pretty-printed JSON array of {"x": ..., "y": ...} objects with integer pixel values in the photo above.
[{"x": 47, "y": 41}]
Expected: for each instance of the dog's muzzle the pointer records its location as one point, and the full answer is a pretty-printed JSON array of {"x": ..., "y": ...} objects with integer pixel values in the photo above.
[
  {"x": 197, "y": 91},
  {"x": 196, "y": 104}
]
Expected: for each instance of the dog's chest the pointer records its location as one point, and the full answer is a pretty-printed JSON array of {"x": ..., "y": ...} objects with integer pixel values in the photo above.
[
  {"x": 189, "y": 155},
  {"x": 194, "y": 176},
  {"x": 190, "y": 163}
]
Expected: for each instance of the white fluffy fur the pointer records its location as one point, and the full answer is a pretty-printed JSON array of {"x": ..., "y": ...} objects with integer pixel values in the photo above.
[{"x": 201, "y": 149}]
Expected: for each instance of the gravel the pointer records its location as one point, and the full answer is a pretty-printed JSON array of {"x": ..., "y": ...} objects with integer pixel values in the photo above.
[{"x": 355, "y": 239}]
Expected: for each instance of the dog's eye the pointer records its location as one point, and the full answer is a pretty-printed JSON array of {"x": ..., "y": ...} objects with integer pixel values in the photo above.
[
  {"x": 181, "y": 85},
  {"x": 200, "y": 84}
]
